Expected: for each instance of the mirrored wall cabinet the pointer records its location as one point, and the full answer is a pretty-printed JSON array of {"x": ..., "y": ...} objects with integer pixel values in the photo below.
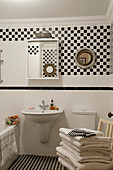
[{"x": 43, "y": 58}]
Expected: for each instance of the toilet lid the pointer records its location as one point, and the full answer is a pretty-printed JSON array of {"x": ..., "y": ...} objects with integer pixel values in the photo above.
[{"x": 84, "y": 112}]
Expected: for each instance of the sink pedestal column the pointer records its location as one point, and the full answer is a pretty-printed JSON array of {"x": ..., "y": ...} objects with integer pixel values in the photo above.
[{"x": 44, "y": 131}]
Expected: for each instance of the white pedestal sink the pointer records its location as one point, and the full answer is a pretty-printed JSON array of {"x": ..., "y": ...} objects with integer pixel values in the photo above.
[{"x": 44, "y": 118}]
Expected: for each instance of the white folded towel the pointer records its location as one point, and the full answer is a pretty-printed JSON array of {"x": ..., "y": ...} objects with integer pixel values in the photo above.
[
  {"x": 8, "y": 145},
  {"x": 86, "y": 152},
  {"x": 85, "y": 144},
  {"x": 99, "y": 135},
  {"x": 66, "y": 163},
  {"x": 83, "y": 166},
  {"x": 87, "y": 156}
]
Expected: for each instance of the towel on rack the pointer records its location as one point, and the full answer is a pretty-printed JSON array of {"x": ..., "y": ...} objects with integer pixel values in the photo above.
[
  {"x": 102, "y": 165},
  {"x": 8, "y": 145}
]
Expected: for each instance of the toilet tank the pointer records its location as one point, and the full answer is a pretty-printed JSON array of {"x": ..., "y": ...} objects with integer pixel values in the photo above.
[{"x": 84, "y": 119}]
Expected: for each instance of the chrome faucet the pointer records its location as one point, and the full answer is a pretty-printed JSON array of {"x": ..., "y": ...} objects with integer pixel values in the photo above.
[{"x": 43, "y": 106}]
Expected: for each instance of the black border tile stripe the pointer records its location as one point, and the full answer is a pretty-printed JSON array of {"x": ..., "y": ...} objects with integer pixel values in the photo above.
[
  {"x": 55, "y": 88},
  {"x": 3, "y": 88},
  {"x": 70, "y": 88}
]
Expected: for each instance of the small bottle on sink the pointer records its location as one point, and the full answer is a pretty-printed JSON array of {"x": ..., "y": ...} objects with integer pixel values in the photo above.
[{"x": 52, "y": 107}]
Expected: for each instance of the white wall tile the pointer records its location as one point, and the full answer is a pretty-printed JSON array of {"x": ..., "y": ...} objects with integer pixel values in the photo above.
[{"x": 12, "y": 102}]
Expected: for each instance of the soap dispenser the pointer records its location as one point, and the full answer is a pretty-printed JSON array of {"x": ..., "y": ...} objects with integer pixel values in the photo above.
[{"x": 52, "y": 107}]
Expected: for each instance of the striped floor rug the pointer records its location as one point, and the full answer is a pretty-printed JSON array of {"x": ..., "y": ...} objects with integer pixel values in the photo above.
[{"x": 34, "y": 162}]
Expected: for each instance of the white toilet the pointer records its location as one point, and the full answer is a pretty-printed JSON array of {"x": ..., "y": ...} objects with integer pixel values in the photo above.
[{"x": 84, "y": 119}]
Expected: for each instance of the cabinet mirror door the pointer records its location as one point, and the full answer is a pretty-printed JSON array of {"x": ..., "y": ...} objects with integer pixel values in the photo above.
[{"x": 43, "y": 59}]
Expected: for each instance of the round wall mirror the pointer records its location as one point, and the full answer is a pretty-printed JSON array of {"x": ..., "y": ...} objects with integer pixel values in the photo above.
[
  {"x": 49, "y": 69},
  {"x": 85, "y": 58}
]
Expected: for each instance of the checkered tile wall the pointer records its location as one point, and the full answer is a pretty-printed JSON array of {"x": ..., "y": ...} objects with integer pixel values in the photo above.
[
  {"x": 33, "y": 50},
  {"x": 72, "y": 38},
  {"x": 49, "y": 56},
  {"x": 111, "y": 61}
]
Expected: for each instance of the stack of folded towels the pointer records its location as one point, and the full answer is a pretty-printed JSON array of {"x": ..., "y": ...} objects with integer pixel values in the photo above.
[{"x": 84, "y": 149}]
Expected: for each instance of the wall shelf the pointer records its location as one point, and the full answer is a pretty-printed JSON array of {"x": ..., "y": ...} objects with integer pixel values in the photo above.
[{"x": 41, "y": 78}]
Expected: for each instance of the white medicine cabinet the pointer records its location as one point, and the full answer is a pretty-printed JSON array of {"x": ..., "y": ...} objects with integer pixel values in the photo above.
[{"x": 43, "y": 58}]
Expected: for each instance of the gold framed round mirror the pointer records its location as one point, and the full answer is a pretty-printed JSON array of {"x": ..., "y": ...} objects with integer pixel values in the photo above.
[
  {"x": 49, "y": 69},
  {"x": 85, "y": 58}
]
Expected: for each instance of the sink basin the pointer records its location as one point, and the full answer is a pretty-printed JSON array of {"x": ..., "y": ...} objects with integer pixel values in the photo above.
[
  {"x": 42, "y": 116},
  {"x": 43, "y": 119}
]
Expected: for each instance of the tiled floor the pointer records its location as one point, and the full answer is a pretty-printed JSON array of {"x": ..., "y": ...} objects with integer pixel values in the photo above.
[{"x": 34, "y": 162}]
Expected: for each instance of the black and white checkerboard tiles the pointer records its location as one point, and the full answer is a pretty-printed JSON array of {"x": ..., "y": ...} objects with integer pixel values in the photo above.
[
  {"x": 72, "y": 38},
  {"x": 111, "y": 44},
  {"x": 49, "y": 57},
  {"x": 33, "y": 50}
]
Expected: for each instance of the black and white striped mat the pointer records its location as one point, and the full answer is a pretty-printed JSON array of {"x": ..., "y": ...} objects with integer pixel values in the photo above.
[{"x": 34, "y": 162}]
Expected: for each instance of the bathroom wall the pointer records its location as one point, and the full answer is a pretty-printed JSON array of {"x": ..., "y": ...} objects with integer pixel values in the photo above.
[
  {"x": 13, "y": 41},
  {"x": 76, "y": 89},
  {"x": 13, "y": 101}
]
